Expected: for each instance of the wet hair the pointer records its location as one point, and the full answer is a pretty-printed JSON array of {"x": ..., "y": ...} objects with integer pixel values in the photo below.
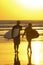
[
  {"x": 30, "y": 25},
  {"x": 18, "y": 22}
]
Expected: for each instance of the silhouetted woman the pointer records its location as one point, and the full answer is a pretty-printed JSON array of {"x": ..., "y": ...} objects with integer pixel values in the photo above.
[{"x": 30, "y": 34}]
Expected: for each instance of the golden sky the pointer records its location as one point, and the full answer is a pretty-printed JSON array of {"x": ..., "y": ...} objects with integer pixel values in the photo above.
[{"x": 21, "y": 9}]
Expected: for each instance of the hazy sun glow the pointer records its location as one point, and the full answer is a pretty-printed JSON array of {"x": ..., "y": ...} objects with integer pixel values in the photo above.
[
  {"x": 21, "y": 9},
  {"x": 30, "y": 3}
]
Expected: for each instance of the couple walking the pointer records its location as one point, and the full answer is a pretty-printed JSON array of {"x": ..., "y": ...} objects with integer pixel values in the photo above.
[{"x": 29, "y": 32}]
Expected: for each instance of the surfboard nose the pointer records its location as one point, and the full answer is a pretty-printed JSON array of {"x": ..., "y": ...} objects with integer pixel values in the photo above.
[{"x": 8, "y": 35}]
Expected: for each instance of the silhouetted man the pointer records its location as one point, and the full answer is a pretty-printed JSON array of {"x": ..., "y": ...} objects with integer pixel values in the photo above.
[{"x": 16, "y": 35}]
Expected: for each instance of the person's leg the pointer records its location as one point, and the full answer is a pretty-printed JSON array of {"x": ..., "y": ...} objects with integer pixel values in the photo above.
[
  {"x": 17, "y": 47},
  {"x": 30, "y": 50},
  {"x": 18, "y": 42},
  {"x": 28, "y": 47},
  {"x": 14, "y": 45}
]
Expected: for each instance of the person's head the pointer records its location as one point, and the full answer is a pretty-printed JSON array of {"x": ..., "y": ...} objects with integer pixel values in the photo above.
[
  {"x": 30, "y": 25},
  {"x": 18, "y": 22}
]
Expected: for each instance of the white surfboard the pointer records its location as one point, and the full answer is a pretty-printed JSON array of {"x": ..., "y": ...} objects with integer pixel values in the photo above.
[
  {"x": 8, "y": 35},
  {"x": 15, "y": 32}
]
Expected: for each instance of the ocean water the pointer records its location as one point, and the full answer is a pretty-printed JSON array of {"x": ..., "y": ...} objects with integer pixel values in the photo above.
[{"x": 7, "y": 52}]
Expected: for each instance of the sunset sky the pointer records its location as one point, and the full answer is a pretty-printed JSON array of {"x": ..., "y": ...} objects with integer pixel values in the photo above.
[{"x": 21, "y": 9}]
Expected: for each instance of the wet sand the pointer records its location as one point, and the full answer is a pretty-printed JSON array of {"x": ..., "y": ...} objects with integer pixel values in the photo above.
[{"x": 7, "y": 53}]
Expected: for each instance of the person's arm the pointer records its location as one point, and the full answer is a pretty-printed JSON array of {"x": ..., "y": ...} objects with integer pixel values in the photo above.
[
  {"x": 12, "y": 32},
  {"x": 23, "y": 34},
  {"x": 20, "y": 27}
]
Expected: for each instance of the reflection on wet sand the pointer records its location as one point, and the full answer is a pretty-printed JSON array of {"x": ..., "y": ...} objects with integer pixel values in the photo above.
[
  {"x": 29, "y": 58},
  {"x": 8, "y": 57},
  {"x": 16, "y": 60}
]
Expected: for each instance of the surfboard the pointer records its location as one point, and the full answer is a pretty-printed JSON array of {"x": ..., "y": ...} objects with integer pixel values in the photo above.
[
  {"x": 34, "y": 34},
  {"x": 8, "y": 35}
]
